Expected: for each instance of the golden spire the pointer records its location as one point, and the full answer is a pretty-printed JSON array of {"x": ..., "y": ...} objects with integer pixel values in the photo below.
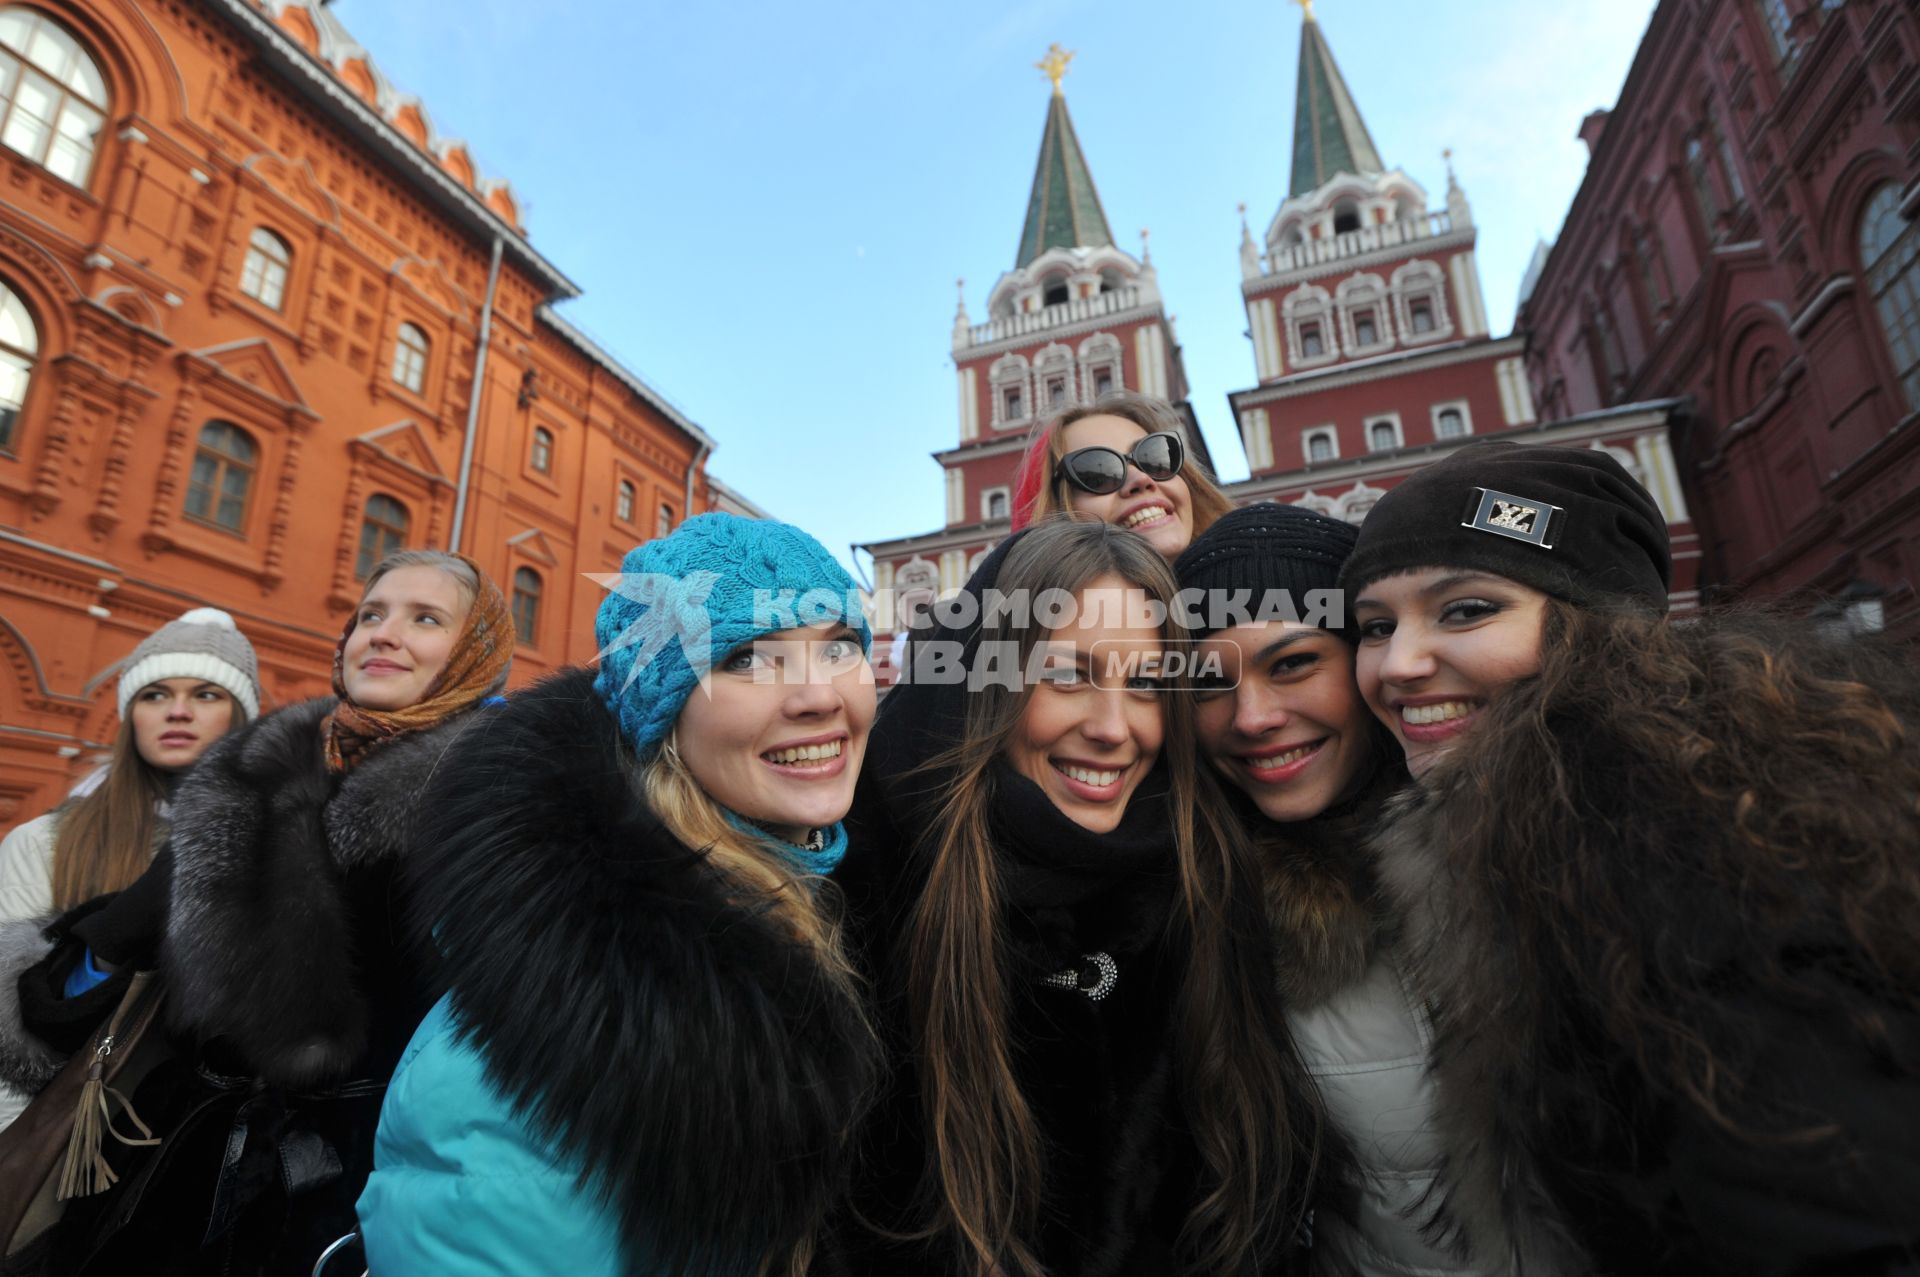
[
  {"x": 1307, "y": 7},
  {"x": 1055, "y": 64}
]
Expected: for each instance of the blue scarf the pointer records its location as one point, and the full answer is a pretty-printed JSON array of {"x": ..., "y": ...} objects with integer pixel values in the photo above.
[{"x": 805, "y": 859}]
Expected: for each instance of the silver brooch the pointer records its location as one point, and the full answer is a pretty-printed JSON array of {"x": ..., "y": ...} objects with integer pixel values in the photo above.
[{"x": 1095, "y": 976}]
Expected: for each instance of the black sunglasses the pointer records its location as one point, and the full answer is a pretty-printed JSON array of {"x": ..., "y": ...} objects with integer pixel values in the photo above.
[{"x": 1102, "y": 470}]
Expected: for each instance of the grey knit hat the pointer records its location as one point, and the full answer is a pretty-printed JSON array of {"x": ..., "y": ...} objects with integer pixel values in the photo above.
[{"x": 204, "y": 644}]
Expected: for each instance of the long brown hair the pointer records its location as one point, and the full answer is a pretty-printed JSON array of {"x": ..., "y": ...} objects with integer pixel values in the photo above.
[
  {"x": 1766, "y": 776},
  {"x": 106, "y": 838},
  {"x": 1250, "y": 1112},
  {"x": 1151, "y": 415}
]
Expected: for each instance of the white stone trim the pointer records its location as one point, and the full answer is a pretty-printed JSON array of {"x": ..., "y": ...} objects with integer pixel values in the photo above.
[
  {"x": 956, "y": 495},
  {"x": 969, "y": 406},
  {"x": 986, "y": 502},
  {"x": 1268, "y": 359},
  {"x": 1256, "y": 437},
  {"x": 1466, "y": 287},
  {"x": 1397, "y": 364}
]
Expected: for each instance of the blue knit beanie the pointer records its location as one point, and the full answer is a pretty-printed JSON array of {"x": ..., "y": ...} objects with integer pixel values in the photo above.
[{"x": 684, "y": 602}]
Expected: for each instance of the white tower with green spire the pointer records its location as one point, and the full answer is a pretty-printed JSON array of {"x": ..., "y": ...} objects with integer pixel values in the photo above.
[
  {"x": 1076, "y": 317},
  {"x": 1364, "y": 308}
]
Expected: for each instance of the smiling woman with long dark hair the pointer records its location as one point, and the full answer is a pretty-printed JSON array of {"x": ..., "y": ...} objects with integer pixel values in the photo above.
[{"x": 1064, "y": 931}]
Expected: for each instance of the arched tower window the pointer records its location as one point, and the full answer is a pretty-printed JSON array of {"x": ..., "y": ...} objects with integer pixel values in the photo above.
[
  {"x": 1890, "y": 252},
  {"x": 1054, "y": 292},
  {"x": 263, "y": 277},
  {"x": 55, "y": 99},
  {"x": 1346, "y": 216},
  {"x": 1699, "y": 168},
  {"x": 222, "y": 476},
  {"x": 526, "y": 604},
  {"x": 410, "y": 358},
  {"x": 383, "y": 529},
  {"x": 19, "y": 348}
]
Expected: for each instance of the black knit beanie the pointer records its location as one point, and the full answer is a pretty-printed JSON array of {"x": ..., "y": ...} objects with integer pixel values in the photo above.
[
  {"x": 1267, "y": 547},
  {"x": 1570, "y": 522}
]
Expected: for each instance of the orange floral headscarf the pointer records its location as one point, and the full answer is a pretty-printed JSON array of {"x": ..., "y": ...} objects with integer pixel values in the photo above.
[{"x": 475, "y": 669}]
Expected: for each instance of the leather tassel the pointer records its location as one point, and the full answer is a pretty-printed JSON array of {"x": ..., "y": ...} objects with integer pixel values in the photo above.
[{"x": 86, "y": 1171}]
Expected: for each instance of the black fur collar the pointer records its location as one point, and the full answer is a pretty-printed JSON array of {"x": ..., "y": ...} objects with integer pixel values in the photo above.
[
  {"x": 259, "y": 946},
  {"x": 697, "y": 1059}
]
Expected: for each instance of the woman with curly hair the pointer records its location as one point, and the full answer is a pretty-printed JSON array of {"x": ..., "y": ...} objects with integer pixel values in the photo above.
[{"x": 1658, "y": 882}]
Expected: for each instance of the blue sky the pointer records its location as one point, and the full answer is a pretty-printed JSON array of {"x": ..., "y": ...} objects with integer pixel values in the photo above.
[{"x": 768, "y": 204}]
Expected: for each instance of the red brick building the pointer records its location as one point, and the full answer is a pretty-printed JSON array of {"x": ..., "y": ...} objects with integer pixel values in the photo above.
[
  {"x": 1745, "y": 238},
  {"x": 260, "y": 321}
]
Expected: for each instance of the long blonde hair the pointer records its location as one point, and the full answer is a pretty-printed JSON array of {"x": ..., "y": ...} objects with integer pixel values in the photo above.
[
  {"x": 1248, "y": 1103},
  {"x": 1049, "y": 444}
]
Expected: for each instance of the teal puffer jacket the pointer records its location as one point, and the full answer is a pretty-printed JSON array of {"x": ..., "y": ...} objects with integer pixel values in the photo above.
[{"x": 461, "y": 1188}]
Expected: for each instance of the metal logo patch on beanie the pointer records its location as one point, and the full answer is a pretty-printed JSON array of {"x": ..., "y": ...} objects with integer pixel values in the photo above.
[{"x": 1504, "y": 514}]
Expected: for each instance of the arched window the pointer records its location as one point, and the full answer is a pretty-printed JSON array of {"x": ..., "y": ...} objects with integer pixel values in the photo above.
[
  {"x": 1450, "y": 424},
  {"x": 1778, "y": 23},
  {"x": 410, "y": 358},
  {"x": 1346, "y": 217},
  {"x": 542, "y": 450},
  {"x": 55, "y": 97},
  {"x": 1320, "y": 446},
  {"x": 1054, "y": 292},
  {"x": 1699, "y": 169},
  {"x": 997, "y": 504},
  {"x": 663, "y": 526},
  {"x": 222, "y": 476},
  {"x": 383, "y": 529},
  {"x": 1651, "y": 272},
  {"x": 623, "y": 501},
  {"x": 19, "y": 345},
  {"x": 526, "y": 604},
  {"x": 1381, "y": 436},
  {"x": 1890, "y": 252},
  {"x": 263, "y": 277}
]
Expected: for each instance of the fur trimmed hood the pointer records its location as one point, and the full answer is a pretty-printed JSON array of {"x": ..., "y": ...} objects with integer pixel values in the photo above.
[
  {"x": 260, "y": 939},
  {"x": 700, "y": 1062},
  {"x": 1624, "y": 870}
]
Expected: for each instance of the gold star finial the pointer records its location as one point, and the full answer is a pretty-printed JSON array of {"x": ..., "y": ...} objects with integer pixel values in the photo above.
[
  {"x": 1055, "y": 64},
  {"x": 1306, "y": 6}
]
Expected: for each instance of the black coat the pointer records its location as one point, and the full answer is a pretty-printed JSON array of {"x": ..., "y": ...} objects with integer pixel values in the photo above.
[
  {"x": 1560, "y": 1136},
  {"x": 649, "y": 1023},
  {"x": 1099, "y": 1075},
  {"x": 278, "y": 923}
]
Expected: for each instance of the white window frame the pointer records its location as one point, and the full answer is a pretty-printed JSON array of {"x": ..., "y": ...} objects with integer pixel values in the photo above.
[
  {"x": 1364, "y": 292},
  {"x": 1414, "y": 280},
  {"x": 986, "y": 503},
  {"x": 1390, "y": 419},
  {"x": 1307, "y": 436},
  {"x": 1304, "y": 305},
  {"x": 409, "y": 370},
  {"x": 1011, "y": 372},
  {"x": 266, "y": 269},
  {"x": 1466, "y": 419}
]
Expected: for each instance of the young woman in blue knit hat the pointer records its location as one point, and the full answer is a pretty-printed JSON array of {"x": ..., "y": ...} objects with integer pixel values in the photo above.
[
  {"x": 652, "y": 1051},
  {"x": 1658, "y": 885},
  {"x": 1281, "y": 721}
]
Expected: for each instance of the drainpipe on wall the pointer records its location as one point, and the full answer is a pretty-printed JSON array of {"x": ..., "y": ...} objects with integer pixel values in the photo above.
[
  {"x": 686, "y": 507},
  {"x": 473, "y": 401}
]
